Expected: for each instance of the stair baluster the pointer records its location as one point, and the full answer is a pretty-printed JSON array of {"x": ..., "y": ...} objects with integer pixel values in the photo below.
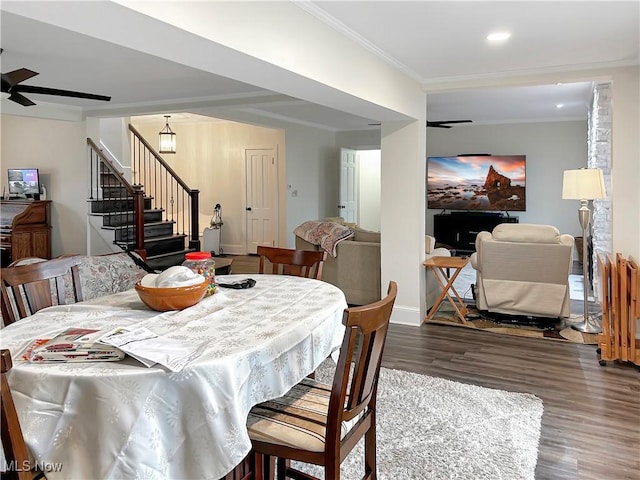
[{"x": 154, "y": 214}]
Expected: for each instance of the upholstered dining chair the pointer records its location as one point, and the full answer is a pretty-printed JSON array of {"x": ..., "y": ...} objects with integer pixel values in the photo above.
[
  {"x": 13, "y": 446},
  {"x": 287, "y": 261},
  {"x": 318, "y": 423},
  {"x": 27, "y": 288}
]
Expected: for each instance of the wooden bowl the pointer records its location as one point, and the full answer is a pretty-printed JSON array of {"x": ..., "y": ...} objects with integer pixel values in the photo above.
[{"x": 172, "y": 298}]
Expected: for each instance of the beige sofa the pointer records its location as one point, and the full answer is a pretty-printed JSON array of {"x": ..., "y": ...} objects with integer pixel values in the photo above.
[
  {"x": 523, "y": 269},
  {"x": 356, "y": 267}
]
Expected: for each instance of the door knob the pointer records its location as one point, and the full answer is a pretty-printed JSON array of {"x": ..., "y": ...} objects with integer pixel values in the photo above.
[{"x": 248, "y": 209}]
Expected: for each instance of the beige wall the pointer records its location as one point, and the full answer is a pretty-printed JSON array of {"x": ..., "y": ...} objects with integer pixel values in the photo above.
[
  {"x": 211, "y": 158},
  {"x": 58, "y": 149}
]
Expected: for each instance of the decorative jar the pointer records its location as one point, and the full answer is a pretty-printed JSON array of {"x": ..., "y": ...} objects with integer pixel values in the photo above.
[{"x": 202, "y": 264}]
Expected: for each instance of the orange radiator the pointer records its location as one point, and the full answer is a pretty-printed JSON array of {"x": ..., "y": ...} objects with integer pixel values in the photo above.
[{"x": 620, "y": 309}]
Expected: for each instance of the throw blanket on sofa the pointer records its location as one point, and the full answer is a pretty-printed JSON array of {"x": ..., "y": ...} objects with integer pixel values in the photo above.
[{"x": 325, "y": 234}]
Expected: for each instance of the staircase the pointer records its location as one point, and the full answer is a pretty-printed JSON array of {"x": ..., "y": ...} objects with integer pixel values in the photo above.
[{"x": 152, "y": 225}]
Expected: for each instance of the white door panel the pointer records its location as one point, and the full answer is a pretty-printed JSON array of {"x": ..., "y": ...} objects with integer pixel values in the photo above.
[
  {"x": 348, "y": 207},
  {"x": 262, "y": 198}
]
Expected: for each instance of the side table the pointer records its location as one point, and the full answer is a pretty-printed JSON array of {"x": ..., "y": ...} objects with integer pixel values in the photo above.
[{"x": 441, "y": 264}]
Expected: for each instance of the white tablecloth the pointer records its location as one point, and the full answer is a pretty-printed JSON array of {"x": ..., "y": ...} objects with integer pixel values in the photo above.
[{"x": 123, "y": 420}]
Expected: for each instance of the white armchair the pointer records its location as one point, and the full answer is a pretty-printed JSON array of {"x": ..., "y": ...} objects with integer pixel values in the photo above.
[
  {"x": 523, "y": 269},
  {"x": 433, "y": 289}
]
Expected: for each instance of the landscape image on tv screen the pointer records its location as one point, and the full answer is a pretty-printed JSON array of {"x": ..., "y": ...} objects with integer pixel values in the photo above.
[{"x": 482, "y": 182}]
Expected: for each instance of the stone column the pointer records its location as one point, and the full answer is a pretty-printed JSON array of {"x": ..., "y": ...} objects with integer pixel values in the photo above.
[{"x": 599, "y": 156}]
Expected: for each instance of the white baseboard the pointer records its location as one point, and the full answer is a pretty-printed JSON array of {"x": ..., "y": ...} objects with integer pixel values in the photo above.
[{"x": 406, "y": 316}]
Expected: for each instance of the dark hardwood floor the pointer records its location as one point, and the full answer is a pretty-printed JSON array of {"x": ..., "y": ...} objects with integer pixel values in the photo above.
[{"x": 591, "y": 420}]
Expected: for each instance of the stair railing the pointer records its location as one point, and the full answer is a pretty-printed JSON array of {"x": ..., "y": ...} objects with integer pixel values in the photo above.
[
  {"x": 167, "y": 190},
  {"x": 127, "y": 193}
]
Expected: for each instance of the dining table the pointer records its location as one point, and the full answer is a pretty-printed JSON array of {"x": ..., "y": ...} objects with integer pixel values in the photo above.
[{"x": 123, "y": 419}]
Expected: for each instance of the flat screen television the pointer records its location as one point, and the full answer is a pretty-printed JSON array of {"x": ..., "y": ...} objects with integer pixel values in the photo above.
[
  {"x": 24, "y": 181},
  {"x": 477, "y": 182}
]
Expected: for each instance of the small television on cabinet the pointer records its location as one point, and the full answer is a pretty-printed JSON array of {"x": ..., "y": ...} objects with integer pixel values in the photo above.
[
  {"x": 477, "y": 182},
  {"x": 24, "y": 181}
]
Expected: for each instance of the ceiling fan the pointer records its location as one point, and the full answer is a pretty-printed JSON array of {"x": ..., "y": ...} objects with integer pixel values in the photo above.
[
  {"x": 445, "y": 123},
  {"x": 436, "y": 124},
  {"x": 11, "y": 84}
]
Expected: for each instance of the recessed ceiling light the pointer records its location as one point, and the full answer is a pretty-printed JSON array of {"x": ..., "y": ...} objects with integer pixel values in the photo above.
[
  {"x": 560, "y": 105},
  {"x": 498, "y": 36}
]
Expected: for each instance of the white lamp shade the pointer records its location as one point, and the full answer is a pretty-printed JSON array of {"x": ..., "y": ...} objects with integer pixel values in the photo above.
[
  {"x": 583, "y": 184},
  {"x": 167, "y": 141}
]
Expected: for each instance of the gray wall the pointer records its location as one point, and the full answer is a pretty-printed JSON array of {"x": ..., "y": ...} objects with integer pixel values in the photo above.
[
  {"x": 313, "y": 176},
  {"x": 58, "y": 148},
  {"x": 550, "y": 147}
]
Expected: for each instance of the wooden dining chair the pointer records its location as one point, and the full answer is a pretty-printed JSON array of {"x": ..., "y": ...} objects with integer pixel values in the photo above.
[
  {"x": 318, "y": 423},
  {"x": 13, "y": 446},
  {"x": 25, "y": 289},
  {"x": 287, "y": 261}
]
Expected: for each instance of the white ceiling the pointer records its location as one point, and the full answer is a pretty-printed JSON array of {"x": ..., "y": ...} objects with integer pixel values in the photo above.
[{"x": 433, "y": 42}]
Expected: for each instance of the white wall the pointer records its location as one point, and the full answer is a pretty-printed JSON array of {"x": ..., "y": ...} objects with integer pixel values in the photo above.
[
  {"x": 303, "y": 66},
  {"x": 369, "y": 189},
  {"x": 550, "y": 148},
  {"x": 359, "y": 140},
  {"x": 114, "y": 135},
  {"x": 625, "y": 163},
  {"x": 58, "y": 149},
  {"x": 402, "y": 217}
]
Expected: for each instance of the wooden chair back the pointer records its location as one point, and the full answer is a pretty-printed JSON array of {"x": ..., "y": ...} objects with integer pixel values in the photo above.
[
  {"x": 355, "y": 382},
  {"x": 28, "y": 288},
  {"x": 286, "y": 261},
  {"x": 13, "y": 446},
  {"x": 352, "y": 398}
]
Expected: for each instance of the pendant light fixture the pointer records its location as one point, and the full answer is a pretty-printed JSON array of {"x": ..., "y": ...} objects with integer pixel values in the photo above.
[{"x": 167, "y": 138}]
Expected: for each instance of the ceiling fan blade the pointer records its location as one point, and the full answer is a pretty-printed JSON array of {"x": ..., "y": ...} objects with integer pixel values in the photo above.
[
  {"x": 444, "y": 123},
  {"x": 61, "y": 93},
  {"x": 17, "y": 76},
  {"x": 21, "y": 99}
]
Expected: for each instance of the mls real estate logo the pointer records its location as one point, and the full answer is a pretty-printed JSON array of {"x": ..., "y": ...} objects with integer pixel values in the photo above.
[{"x": 27, "y": 466}]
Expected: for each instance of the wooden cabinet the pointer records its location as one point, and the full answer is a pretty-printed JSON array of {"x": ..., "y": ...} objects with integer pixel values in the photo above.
[
  {"x": 25, "y": 230},
  {"x": 459, "y": 229}
]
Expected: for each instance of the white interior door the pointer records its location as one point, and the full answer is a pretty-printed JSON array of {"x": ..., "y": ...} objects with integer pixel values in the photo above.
[
  {"x": 262, "y": 198},
  {"x": 348, "y": 207}
]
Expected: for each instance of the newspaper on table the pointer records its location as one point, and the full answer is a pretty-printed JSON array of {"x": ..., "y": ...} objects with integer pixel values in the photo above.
[
  {"x": 151, "y": 348},
  {"x": 73, "y": 345}
]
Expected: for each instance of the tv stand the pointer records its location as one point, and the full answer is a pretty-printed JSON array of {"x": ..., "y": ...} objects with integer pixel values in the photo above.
[{"x": 459, "y": 229}]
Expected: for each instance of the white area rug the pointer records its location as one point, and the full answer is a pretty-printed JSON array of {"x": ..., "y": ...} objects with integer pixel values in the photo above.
[
  {"x": 431, "y": 428},
  {"x": 468, "y": 276}
]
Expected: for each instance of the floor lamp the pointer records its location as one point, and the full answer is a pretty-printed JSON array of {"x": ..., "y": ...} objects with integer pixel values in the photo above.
[{"x": 584, "y": 184}]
